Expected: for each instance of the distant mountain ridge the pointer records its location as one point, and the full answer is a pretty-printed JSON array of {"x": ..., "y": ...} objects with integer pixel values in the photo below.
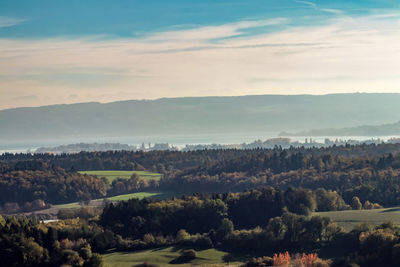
[
  {"x": 199, "y": 115},
  {"x": 364, "y": 130}
]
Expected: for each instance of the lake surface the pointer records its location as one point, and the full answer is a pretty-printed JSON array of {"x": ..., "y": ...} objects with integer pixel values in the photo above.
[{"x": 177, "y": 140}]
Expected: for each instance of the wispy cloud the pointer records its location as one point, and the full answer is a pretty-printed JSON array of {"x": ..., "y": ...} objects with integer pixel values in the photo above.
[
  {"x": 295, "y": 60},
  {"x": 8, "y": 21},
  {"x": 213, "y": 32},
  {"x": 316, "y": 7}
]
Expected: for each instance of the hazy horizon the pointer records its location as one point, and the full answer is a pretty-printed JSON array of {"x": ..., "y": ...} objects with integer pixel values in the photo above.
[
  {"x": 188, "y": 97},
  {"x": 112, "y": 51}
]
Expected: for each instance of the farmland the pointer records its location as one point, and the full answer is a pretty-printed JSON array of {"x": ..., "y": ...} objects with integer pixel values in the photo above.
[
  {"x": 96, "y": 202},
  {"x": 349, "y": 218},
  {"x": 139, "y": 195},
  {"x": 164, "y": 257},
  {"x": 112, "y": 175}
]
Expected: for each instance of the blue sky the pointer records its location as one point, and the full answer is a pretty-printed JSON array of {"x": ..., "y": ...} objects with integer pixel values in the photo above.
[
  {"x": 54, "y": 51},
  {"x": 132, "y": 18}
]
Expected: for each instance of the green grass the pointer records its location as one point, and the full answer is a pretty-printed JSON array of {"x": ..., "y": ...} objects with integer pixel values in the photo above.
[
  {"x": 162, "y": 257},
  {"x": 349, "y": 218},
  {"x": 112, "y": 175},
  {"x": 67, "y": 206},
  {"x": 139, "y": 195}
]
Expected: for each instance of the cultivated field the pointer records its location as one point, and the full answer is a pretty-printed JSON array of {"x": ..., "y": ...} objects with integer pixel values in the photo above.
[
  {"x": 164, "y": 257},
  {"x": 139, "y": 195},
  {"x": 112, "y": 175},
  {"x": 349, "y": 218},
  {"x": 97, "y": 202}
]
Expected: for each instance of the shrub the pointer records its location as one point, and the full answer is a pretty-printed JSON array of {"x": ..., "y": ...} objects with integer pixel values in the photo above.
[
  {"x": 356, "y": 203},
  {"x": 259, "y": 262},
  {"x": 188, "y": 254}
]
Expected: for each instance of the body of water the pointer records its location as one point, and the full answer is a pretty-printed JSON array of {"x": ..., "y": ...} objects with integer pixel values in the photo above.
[{"x": 177, "y": 140}]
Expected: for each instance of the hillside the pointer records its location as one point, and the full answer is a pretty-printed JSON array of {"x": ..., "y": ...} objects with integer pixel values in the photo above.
[
  {"x": 199, "y": 115},
  {"x": 364, "y": 130}
]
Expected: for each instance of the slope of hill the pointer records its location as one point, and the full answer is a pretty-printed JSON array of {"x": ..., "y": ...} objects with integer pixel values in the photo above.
[
  {"x": 269, "y": 113},
  {"x": 364, "y": 130}
]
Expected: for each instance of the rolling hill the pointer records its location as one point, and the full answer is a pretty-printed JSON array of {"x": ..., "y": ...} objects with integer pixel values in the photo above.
[
  {"x": 364, "y": 130},
  {"x": 199, "y": 115}
]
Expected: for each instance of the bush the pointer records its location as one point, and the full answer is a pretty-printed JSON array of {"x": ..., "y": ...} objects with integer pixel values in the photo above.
[
  {"x": 259, "y": 262},
  {"x": 321, "y": 263},
  {"x": 83, "y": 213},
  {"x": 356, "y": 203},
  {"x": 188, "y": 254}
]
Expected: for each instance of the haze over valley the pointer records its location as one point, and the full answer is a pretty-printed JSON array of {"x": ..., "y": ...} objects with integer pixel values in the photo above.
[{"x": 204, "y": 120}]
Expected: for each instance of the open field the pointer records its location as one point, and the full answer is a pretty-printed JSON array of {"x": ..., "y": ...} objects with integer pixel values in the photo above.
[
  {"x": 164, "y": 256},
  {"x": 349, "y": 218},
  {"x": 97, "y": 202},
  {"x": 139, "y": 195},
  {"x": 112, "y": 175}
]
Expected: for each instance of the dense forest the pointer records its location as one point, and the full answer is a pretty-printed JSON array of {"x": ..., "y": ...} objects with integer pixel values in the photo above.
[
  {"x": 260, "y": 222},
  {"x": 258, "y": 201},
  {"x": 369, "y": 172}
]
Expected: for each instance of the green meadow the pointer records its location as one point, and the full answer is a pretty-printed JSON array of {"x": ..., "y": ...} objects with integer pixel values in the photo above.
[
  {"x": 349, "y": 218},
  {"x": 139, "y": 195},
  {"x": 112, "y": 175},
  {"x": 164, "y": 256}
]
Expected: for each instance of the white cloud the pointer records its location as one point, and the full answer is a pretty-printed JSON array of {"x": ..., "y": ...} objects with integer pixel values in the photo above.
[
  {"x": 316, "y": 7},
  {"x": 212, "y": 32},
  {"x": 347, "y": 55},
  {"x": 8, "y": 22}
]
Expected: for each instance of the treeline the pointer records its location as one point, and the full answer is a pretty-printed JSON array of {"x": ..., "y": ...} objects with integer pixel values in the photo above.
[
  {"x": 201, "y": 213},
  {"x": 168, "y": 160},
  {"x": 263, "y": 222},
  {"x": 260, "y": 221},
  {"x": 20, "y": 190},
  {"x": 363, "y": 171},
  {"x": 27, "y": 242},
  {"x": 379, "y": 186},
  {"x": 364, "y": 246},
  {"x": 26, "y": 190}
]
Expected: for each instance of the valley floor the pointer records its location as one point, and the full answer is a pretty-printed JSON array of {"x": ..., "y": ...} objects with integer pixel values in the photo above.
[
  {"x": 166, "y": 256},
  {"x": 349, "y": 218}
]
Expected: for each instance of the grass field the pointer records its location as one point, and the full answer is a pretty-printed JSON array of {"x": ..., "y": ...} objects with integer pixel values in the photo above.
[
  {"x": 349, "y": 218},
  {"x": 67, "y": 206},
  {"x": 163, "y": 257},
  {"x": 112, "y": 175},
  {"x": 139, "y": 195}
]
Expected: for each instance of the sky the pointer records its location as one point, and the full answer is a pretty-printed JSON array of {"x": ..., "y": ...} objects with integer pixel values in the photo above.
[{"x": 68, "y": 51}]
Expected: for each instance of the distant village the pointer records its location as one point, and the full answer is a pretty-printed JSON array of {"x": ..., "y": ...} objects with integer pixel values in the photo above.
[{"x": 270, "y": 143}]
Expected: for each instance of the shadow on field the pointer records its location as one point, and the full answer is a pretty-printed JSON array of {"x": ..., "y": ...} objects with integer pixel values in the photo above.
[
  {"x": 160, "y": 248},
  {"x": 237, "y": 257},
  {"x": 180, "y": 260},
  {"x": 391, "y": 210}
]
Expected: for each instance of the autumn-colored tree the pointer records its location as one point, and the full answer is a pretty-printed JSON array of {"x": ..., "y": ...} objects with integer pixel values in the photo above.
[
  {"x": 307, "y": 260},
  {"x": 281, "y": 259}
]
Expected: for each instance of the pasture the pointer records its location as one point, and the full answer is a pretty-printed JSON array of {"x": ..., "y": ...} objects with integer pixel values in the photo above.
[
  {"x": 164, "y": 257},
  {"x": 349, "y": 218},
  {"x": 98, "y": 202},
  {"x": 112, "y": 175},
  {"x": 139, "y": 195}
]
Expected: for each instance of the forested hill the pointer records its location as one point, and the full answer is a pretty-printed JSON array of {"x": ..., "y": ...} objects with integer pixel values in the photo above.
[
  {"x": 364, "y": 130},
  {"x": 266, "y": 113}
]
